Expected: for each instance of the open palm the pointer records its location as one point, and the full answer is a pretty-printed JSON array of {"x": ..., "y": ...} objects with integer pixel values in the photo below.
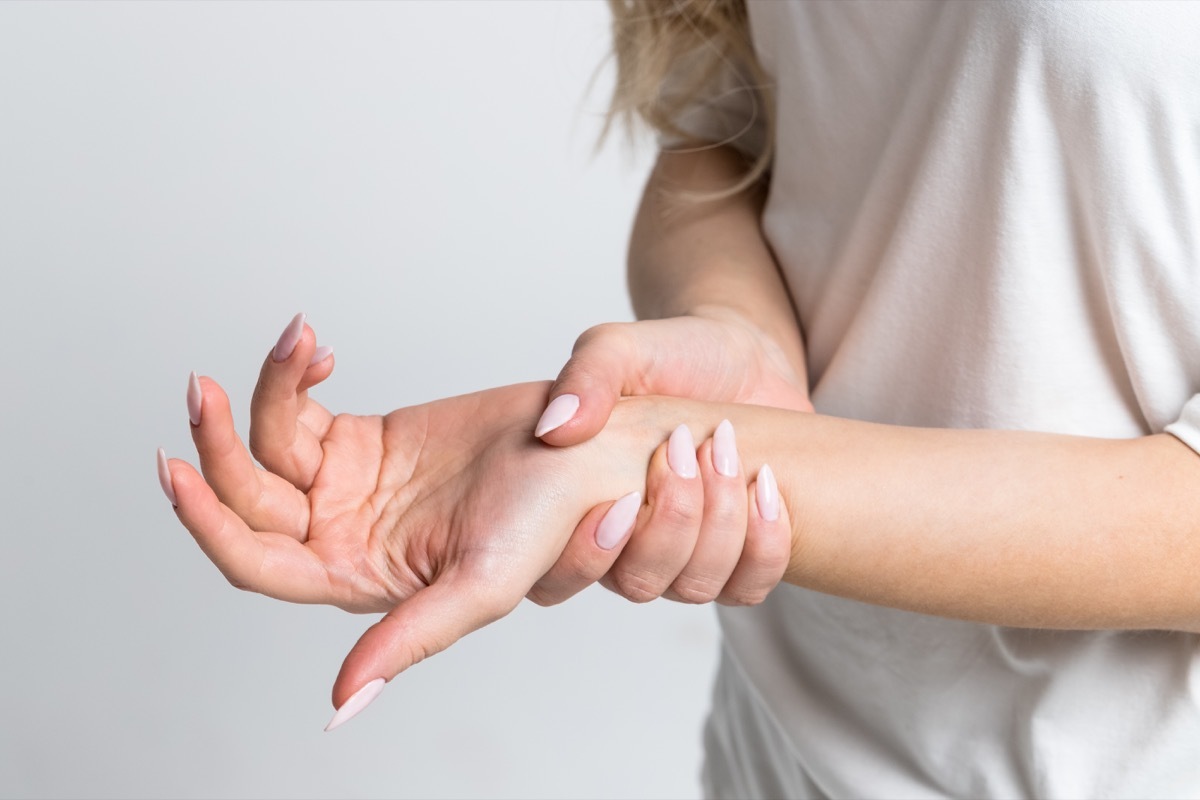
[{"x": 443, "y": 515}]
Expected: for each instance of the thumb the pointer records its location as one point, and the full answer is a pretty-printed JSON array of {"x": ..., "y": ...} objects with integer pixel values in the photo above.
[
  {"x": 604, "y": 364},
  {"x": 426, "y": 623}
]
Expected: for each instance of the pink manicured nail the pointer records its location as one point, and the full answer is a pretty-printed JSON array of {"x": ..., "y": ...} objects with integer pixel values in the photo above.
[
  {"x": 559, "y": 412},
  {"x": 618, "y": 521},
  {"x": 724, "y": 450},
  {"x": 681, "y": 452},
  {"x": 320, "y": 354},
  {"x": 766, "y": 492},
  {"x": 357, "y": 702},
  {"x": 164, "y": 477},
  {"x": 195, "y": 400},
  {"x": 288, "y": 339}
]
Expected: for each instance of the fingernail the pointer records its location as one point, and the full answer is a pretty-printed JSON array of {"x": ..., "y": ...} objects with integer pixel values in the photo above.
[
  {"x": 766, "y": 492},
  {"x": 724, "y": 450},
  {"x": 560, "y": 411},
  {"x": 288, "y": 339},
  {"x": 164, "y": 477},
  {"x": 320, "y": 354},
  {"x": 357, "y": 702},
  {"x": 195, "y": 399},
  {"x": 618, "y": 521},
  {"x": 681, "y": 452}
]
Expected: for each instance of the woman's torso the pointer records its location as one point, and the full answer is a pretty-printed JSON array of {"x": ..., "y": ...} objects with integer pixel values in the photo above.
[{"x": 987, "y": 216}]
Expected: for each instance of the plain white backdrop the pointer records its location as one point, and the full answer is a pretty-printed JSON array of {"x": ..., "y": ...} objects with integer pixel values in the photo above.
[{"x": 176, "y": 181}]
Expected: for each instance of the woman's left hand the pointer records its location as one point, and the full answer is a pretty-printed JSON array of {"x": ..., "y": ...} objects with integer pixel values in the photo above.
[{"x": 443, "y": 515}]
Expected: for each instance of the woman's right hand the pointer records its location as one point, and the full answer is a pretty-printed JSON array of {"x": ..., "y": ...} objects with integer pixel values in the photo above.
[
  {"x": 699, "y": 538},
  {"x": 702, "y": 535}
]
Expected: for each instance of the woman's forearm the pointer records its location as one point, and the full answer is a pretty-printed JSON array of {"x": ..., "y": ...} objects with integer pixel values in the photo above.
[
  {"x": 686, "y": 258},
  {"x": 1010, "y": 528}
]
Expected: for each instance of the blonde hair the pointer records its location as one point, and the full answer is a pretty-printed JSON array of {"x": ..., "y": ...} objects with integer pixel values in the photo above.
[{"x": 652, "y": 37}]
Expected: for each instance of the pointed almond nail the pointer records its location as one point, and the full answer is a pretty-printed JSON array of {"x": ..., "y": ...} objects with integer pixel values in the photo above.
[
  {"x": 724, "y": 450},
  {"x": 164, "y": 477},
  {"x": 557, "y": 414},
  {"x": 357, "y": 702},
  {"x": 681, "y": 452},
  {"x": 320, "y": 354},
  {"x": 195, "y": 399},
  {"x": 288, "y": 339},
  {"x": 766, "y": 492},
  {"x": 618, "y": 521}
]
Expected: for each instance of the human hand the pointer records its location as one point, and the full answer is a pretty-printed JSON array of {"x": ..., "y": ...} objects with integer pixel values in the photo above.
[
  {"x": 443, "y": 515},
  {"x": 695, "y": 541},
  {"x": 716, "y": 355},
  {"x": 701, "y": 536}
]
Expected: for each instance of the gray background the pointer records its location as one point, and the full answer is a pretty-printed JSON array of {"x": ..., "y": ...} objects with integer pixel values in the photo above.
[{"x": 177, "y": 180}]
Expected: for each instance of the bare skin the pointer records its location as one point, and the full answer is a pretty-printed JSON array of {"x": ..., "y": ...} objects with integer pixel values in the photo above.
[
  {"x": 717, "y": 325},
  {"x": 443, "y": 515}
]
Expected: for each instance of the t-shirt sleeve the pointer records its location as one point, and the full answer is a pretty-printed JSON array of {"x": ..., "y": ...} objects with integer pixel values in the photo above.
[
  {"x": 1187, "y": 427},
  {"x": 728, "y": 109}
]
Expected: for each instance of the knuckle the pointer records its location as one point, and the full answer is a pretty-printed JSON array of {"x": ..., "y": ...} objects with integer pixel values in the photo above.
[
  {"x": 677, "y": 510},
  {"x": 416, "y": 652},
  {"x": 542, "y": 597},
  {"x": 584, "y": 341},
  {"x": 607, "y": 336},
  {"x": 269, "y": 452},
  {"x": 595, "y": 333},
  {"x": 694, "y": 590},
  {"x": 412, "y": 645},
  {"x": 776, "y": 563},
  {"x": 575, "y": 568},
  {"x": 744, "y": 595},
  {"x": 638, "y": 586},
  {"x": 724, "y": 512},
  {"x": 770, "y": 549}
]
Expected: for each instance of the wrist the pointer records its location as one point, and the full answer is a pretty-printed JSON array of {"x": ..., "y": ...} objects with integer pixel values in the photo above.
[{"x": 639, "y": 424}]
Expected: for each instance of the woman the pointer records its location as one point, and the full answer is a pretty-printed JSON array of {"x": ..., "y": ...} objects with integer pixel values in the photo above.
[{"x": 981, "y": 216}]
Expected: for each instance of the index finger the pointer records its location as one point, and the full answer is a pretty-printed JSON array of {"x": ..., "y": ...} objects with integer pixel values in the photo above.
[{"x": 279, "y": 436}]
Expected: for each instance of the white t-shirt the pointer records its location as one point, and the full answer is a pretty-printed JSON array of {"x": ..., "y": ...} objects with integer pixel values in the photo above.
[{"x": 989, "y": 217}]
